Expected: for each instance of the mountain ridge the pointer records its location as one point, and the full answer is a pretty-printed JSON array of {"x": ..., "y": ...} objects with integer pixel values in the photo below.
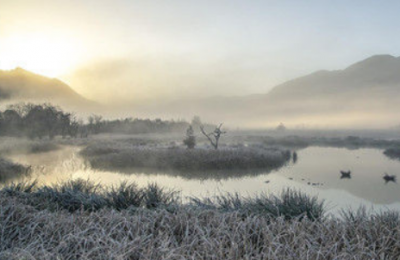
[
  {"x": 368, "y": 90},
  {"x": 22, "y": 85},
  {"x": 368, "y": 87}
]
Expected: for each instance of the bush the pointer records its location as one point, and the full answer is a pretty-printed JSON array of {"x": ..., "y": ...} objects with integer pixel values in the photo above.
[{"x": 190, "y": 140}]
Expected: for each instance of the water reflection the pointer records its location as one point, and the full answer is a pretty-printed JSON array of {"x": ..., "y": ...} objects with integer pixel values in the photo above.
[{"x": 316, "y": 171}]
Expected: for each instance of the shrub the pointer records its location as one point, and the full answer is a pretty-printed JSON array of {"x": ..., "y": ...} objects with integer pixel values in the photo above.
[{"x": 190, "y": 140}]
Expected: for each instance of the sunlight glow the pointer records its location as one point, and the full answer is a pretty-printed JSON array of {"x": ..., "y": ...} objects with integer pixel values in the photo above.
[{"x": 45, "y": 54}]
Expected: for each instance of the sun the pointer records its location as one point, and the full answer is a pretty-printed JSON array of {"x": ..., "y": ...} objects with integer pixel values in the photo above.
[{"x": 49, "y": 55}]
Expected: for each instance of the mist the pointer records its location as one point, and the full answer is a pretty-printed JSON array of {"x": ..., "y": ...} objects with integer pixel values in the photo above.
[
  {"x": 224, "y": 129},
  {"x": 148, "y": 79}
]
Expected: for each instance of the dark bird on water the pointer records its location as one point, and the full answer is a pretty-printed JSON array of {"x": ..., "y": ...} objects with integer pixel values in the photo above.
[
  {"x": 345, "y": 175},
  {"x": 389, "y": 178}
]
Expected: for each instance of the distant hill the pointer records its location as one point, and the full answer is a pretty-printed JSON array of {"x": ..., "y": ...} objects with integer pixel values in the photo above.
[
  {"x": 376, "y": 75},
  {"x": 21, "y": 85},
  {"x": 366, "y": 93}
]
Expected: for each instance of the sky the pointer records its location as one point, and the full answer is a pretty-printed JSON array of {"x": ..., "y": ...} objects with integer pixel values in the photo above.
[{"x": 127, "y": 50}]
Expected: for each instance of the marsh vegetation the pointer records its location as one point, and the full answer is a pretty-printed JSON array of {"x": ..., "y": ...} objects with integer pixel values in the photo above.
[
  {"x": 80, "y": 220},
  {"x": 154, "y": 221},
  {"x": 118, "y": 155}
]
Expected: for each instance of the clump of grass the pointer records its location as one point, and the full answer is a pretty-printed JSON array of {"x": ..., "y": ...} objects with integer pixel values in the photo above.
[
  {"x": 76, "y": 195},
  {"x": 289, "y": 204},
  {"x": 155, "y": 196},
  {"x": 124, "y": 196},
  {"x": 295, "y": 203},
  {"x": 20, "y": 187},
  {"x": 72, "y": 196}
]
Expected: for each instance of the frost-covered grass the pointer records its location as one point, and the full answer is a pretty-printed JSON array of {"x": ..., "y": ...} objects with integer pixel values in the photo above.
[
  {"x": 290, "y": 204},
  {"x": 224, "y": 228},
  {"x": 10, "y": 170},
  {"x": 116, "y": 155},
  {"x": 76, "y": 195}
]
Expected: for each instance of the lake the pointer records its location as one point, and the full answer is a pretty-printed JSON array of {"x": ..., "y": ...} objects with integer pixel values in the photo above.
[{"x": 316, "y": 172}]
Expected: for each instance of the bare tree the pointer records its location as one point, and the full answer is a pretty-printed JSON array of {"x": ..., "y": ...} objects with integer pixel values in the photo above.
[{"x": 213, "y": 137}]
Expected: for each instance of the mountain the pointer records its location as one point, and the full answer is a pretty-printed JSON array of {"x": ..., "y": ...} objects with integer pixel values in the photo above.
[
  {"x": 21, "y": 85},
  {"x": 365, "y": 94},
  {"x": 376, "y": 75}
]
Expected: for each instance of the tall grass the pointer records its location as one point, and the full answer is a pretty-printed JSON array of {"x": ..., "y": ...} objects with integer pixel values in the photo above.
[
  {"x": 78, "y": 195},
  {"x": 83, "y": 195},
  {"x": 289, "y": 204},
  {"x": 219, "y": 231}
]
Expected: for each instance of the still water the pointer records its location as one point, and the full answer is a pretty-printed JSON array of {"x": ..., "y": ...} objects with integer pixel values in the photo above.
[{"x": 316, "y": 172}]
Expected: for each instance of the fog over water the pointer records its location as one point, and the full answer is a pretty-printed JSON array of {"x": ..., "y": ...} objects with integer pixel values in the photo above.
[{"x": 317, "y": 172}]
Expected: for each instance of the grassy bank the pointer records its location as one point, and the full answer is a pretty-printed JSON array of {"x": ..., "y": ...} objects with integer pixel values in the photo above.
[
  {"x": 220, "y": 228},
  {"x": 10, "y": 170},
  {"x": 350, "y": 142},
  {"x": 393, "y": 152},
  {"x": 79, "y": 195},
  {"x": 12, "y": 145},
  {"x": 106, "y": 156}
]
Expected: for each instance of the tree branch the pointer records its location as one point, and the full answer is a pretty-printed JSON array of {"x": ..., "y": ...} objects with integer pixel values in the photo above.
[{"x": 208, "y": 137}]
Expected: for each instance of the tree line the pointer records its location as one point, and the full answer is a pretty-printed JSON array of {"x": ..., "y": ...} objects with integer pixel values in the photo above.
[
  {"x": 46, "y": 120},
  {"x": 37, "y": 121}
]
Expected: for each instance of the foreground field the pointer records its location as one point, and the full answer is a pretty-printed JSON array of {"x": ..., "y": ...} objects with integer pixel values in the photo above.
[{"x": 39, "y": 223}]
